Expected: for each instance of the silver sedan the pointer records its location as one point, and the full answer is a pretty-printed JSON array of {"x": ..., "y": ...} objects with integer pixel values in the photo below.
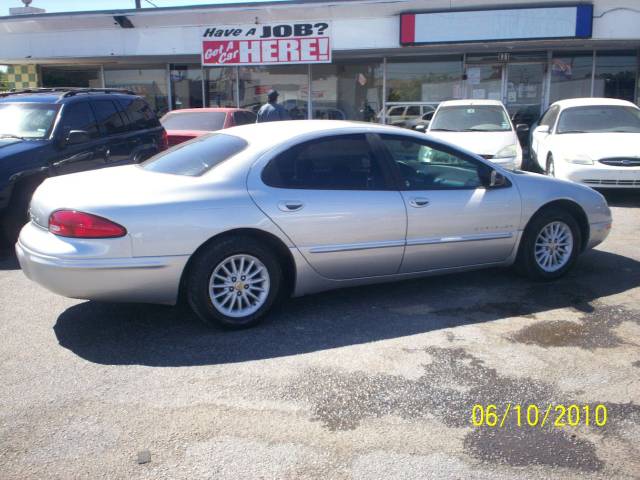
[{"x": 232, "y": 222}]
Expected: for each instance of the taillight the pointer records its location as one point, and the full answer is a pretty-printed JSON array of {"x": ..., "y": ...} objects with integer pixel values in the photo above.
[
  {"x": 71, "y": 223},
  {"x": 164, "y": 143}
]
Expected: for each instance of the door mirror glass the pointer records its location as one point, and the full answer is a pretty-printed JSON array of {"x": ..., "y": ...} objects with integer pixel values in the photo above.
[
  {"x": 541, "y": 129},
  {"x": 76, "y": 137},
  {"x": 494, "y": 180},
  {"x": 522, "y": 127}
]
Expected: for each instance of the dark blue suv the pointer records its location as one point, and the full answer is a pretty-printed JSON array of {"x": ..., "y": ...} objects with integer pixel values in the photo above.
[{"x": 47, "y": 132}]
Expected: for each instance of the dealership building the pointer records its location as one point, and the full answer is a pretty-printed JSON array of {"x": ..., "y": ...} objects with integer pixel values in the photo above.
[{"x": 354, "y": 59}]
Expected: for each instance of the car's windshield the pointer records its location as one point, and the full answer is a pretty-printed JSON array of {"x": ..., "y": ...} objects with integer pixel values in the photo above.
[
  {"x": 600, "y": 119},
  {"x": 195, "y": 157},
  {"x": 26, "y": 120},
  {"x": 471, "y": 118},
  {"x": 206, "y": 121}
]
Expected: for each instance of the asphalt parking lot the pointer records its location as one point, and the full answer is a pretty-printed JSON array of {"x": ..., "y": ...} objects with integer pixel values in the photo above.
[{"x": 367, "y": 383}]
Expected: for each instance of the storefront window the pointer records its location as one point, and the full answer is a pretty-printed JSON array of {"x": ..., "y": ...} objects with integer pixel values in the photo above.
[
  {"x": 220, "y": 87},
  {"x": 570, "y": 75},
  {"x": 71, "y": 76},
  {"x": 432, "y": 81},
  {"x": 148, "y": 81},
  {"x": 616, "y": 74},
  {"x": 186, "y": 86},
  {"x": 350, "y": 91},
  {"x": 291, "y": 82}
]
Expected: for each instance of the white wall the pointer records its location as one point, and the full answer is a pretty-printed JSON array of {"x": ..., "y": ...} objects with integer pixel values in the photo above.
[{"x": 368, "y": 24}]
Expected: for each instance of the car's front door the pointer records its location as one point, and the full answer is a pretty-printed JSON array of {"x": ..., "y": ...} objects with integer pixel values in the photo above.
[
  {"x": 540, "y": 139},
  {"x": 453, "y": 220},
  {"x": 76, "y": 157},
  {"x": 334, "y": 198}
]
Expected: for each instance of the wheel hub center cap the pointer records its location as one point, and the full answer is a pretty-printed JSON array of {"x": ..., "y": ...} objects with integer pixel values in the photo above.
[{"x": 239, "y": 286}]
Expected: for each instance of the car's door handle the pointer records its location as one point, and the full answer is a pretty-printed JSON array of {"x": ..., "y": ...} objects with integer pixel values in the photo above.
[
  {"x": 419, "y": 202},
  {"x": 290, "y": 206}
]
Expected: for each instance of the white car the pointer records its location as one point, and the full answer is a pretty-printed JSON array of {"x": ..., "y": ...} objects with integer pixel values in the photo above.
[
  {"x": 480, "y": 126},
  {"x": 594, "y": 141}
]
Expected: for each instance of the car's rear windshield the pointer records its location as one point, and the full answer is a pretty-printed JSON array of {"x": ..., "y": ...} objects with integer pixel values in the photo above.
[
  {"x": 197, "y": 156},
  {"x": 471, "y": 118},
  {"x": 27, "y": 120},
  {"x": 206, "y": 121},
  {"x": 600, "y": 119}
]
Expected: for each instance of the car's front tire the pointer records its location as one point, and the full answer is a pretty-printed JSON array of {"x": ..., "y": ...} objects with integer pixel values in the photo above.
[
  {"x": 550, "y": 245},
  {"x": 234, "y": 282}
]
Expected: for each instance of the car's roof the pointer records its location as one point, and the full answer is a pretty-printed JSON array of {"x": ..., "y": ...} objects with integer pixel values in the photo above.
[
  {"x": 210, "y": 109},
  {"x": 583, "y": 102},
  {"x": 59, "y": 96},
  {"x": 272, "y": 133},
  {"x": 452, "y": 103}
]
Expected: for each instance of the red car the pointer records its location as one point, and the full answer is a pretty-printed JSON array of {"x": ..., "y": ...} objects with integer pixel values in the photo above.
[{"x": 183, "y": 125}]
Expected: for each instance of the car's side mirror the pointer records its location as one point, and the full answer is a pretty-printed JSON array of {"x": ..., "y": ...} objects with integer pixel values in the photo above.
[
  {"x": 494, "y": 179},
  {"x": 76, "y": 137},
  {"x": 422, "y": 127},
  {"x": 541, "y": 129},
  {"x": 522, "y": 127}
]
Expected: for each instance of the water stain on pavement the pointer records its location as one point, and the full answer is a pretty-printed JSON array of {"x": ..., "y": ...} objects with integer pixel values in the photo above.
[
  {"x": 594, "y": 329},
  {"x": 450, "y": 385}
]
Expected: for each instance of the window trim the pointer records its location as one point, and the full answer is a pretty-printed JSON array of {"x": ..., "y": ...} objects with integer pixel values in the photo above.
[
  {"x": 434, "y": 145},
  {"x": 387, "y": 174}
]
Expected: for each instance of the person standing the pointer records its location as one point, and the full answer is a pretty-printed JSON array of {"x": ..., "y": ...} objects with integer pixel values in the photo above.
[{"x": 272, "y": 111}]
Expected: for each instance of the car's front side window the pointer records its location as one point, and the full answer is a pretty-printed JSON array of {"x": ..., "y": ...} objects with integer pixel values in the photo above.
[
  {"x": 78, "y": 116},
  {"x": 340, "y": 162},
  {"x": 425, "y": 167}
]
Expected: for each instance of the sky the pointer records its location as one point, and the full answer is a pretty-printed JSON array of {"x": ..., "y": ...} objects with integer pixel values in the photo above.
[{"x": 76, "y": 5}]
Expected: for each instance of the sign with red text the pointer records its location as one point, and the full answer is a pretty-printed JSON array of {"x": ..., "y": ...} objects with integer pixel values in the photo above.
[{"x": 266, "y": 44}]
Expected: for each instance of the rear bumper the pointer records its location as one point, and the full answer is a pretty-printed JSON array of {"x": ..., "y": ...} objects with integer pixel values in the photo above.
[{"x": 125, "y": 279}]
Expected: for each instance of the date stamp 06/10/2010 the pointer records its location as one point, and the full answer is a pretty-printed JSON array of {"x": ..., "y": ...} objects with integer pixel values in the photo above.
[{"x": 532, "y": 415}]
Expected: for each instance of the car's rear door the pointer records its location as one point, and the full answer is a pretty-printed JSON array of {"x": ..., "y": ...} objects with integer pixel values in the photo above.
[
  {"x": 119, "y": 144},
  {"x": 452, "y": 219},
  {"x": 334, "y": 198}
]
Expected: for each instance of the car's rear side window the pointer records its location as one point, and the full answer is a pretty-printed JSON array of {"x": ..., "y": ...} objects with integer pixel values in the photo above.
[
  {"x": 340, "y": 162},
  {"x": 139, "y": 113},
  {"x": 108, "y": 117},
  {"x": 197, "y": 156}
]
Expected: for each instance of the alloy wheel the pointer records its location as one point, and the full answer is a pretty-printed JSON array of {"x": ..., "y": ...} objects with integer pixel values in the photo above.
[
  {"x": 239, "y": 285},
  {"x": 554, "y": 246}
]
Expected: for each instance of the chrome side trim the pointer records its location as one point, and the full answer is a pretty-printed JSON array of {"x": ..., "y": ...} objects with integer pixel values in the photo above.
[
  {"x": 400, "y": 243},
  {"x": 462, "y": 238},
  {"x": 349, "y": 247}
]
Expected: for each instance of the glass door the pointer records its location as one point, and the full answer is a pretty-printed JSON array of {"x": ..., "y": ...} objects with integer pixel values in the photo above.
[
  {"x": 524, "y": 93},
  {"x": 484, "y": 81}
]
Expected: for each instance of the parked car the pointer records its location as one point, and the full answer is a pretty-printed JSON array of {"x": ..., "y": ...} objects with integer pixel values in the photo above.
[
  {"x": 397, "y": 115},
  {"x": 47, "y": 132},
  {"x": 595, "y": 141},
  {"x": 238, "y": 219},
  {"x": 189, "y": 123},
  {"x": 420, "y": 124},
  {"x": 481, "y": 126}
]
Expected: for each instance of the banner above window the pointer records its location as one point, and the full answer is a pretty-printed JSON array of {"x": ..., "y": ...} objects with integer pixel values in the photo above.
[
  {"x": 496, "y": 25},
  {"x": 267, "y": 44}
]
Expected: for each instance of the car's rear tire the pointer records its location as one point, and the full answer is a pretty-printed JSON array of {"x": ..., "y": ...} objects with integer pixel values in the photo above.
[
  {"x": 550, "y": 245},
  {"x": 234, "y": 282}
]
